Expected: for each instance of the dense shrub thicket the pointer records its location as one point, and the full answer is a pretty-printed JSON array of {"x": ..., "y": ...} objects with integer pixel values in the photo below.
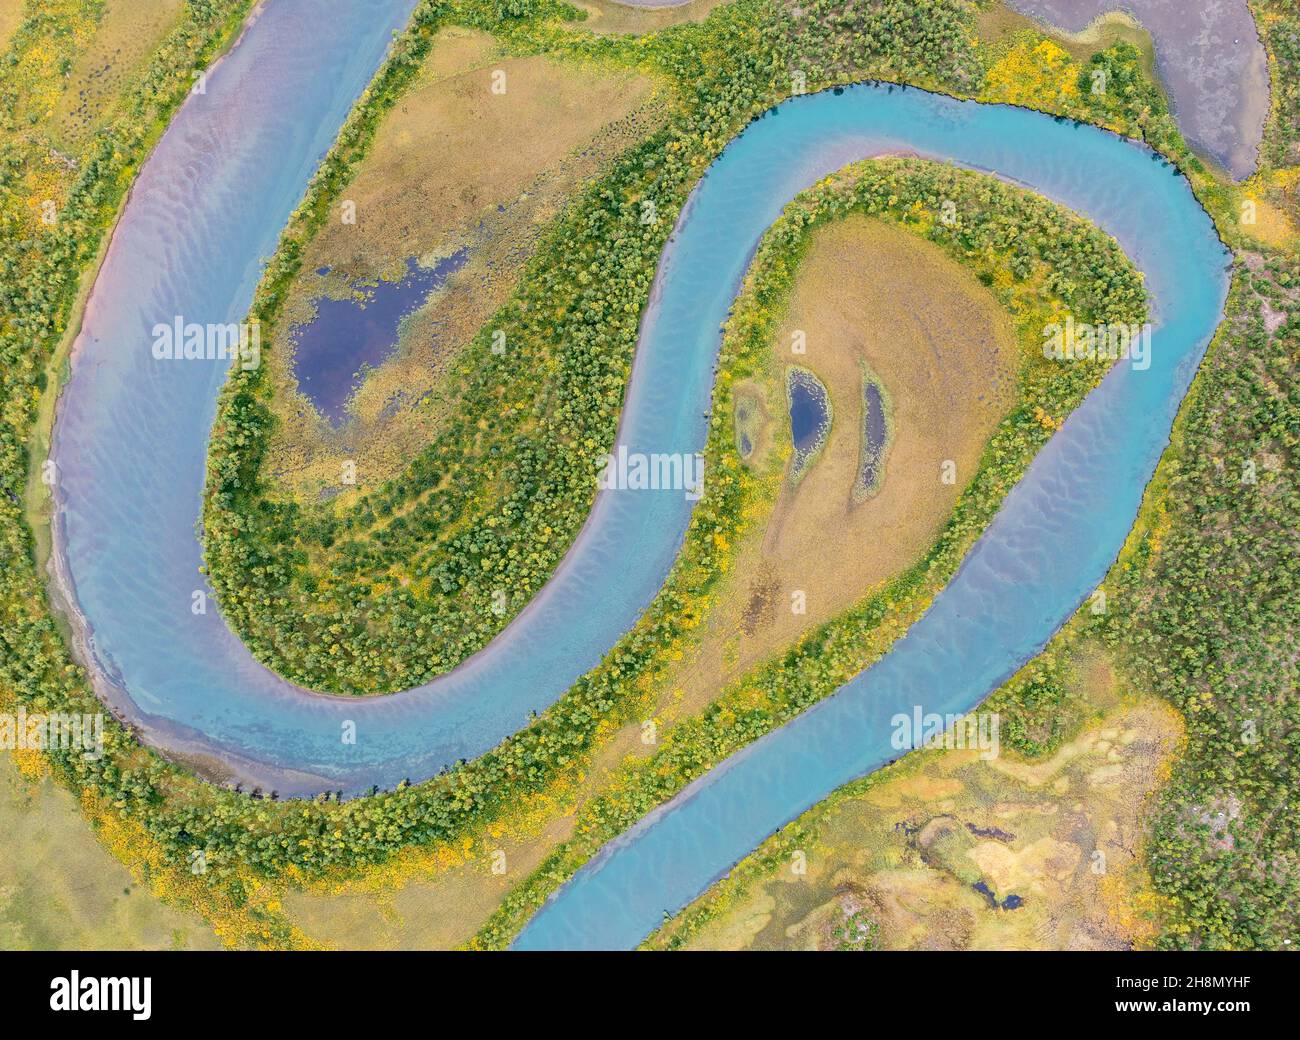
[
  {"x": 1214, "y": 618},
  {"x": 1217, "y": 633}
]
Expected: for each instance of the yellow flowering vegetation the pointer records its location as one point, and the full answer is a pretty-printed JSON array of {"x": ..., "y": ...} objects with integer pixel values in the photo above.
[
  {"x": 1040, "y": 75},
  {"x": 245, "y": 913}
]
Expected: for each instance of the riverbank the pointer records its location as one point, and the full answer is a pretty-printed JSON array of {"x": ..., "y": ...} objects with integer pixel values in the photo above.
[{"x": 40, "y": 494}]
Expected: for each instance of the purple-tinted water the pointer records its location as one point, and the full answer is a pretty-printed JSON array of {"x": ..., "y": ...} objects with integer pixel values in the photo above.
[
  {"x": 1210, "y": 59},
  {"x": 875, "y": 430},
  {"x": 347, "y": 336},
  {"x": 809, "y": 411}
]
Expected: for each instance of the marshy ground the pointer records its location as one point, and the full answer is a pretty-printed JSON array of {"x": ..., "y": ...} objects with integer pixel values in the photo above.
[
  {"x": 605, "y": 17},
  {"x": 127, "y": 34},
  {"x": 474, "y": 161},
  {"x": 947, "y": 352},
  {"x": 926, "y": 851}
]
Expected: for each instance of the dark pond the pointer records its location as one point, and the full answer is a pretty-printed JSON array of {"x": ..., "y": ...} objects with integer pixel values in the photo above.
[
  {"x": 809, "y": 411},
  {"x": 875, "y": 432},
  {"x": 807, "y": 414},
  {"x": 333, "y": 350},
  {"x": 1012, "y": 902}
]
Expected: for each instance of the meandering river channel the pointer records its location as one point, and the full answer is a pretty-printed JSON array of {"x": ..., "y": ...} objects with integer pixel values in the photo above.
[{"x": 131, "y": 435}]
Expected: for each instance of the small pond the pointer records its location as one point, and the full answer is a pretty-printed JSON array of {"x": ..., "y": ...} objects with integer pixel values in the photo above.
[
  {"x": 876, "y": 435},
  {"x": 810, "y": 416},
  {"x": 348, "y": 336}
]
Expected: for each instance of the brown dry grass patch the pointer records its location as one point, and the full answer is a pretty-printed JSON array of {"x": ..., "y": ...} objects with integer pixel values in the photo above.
[
  {"x": 60, "y": 889},
  {"x": 11, "y": 16},
  {"x": 947, "y": 355},
  {"x": 128, "y": 32},
  {"x": 605, "y": 18}
]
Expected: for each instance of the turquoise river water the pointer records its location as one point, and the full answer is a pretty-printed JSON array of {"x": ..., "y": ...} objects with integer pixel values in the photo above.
[{"x": 131, "y": 434}]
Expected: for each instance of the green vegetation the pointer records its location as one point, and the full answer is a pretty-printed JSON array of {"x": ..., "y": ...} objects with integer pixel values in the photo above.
[
  {"x": 1202, "y": 612},
  {"x": 55, "y": 207},
  {"x": 856, "y": 932},
  {"x": 1211, "y": 610},
  {"x": 60, "y": 888},
  {"x": 234, "y": 832},
  {"x": 181, "y": 814},
  {"x": 58, "y": 199},
  {"x": 1280, "y": 30},
  {"x": 926, "y": 43},
  {"x": 484, "y": 492},
  {"x": 390, "y": 592},
  {"x": 1110, "y": 89},
  {"x": 1001, "y": 229},
  {"x": 903, "y": 848},
  {"x": 387, "y": 589},
  {"x": 1213, "y": 626},
  {"x": 397, "y": 587},
  {"x": 1223, "y": 853}
]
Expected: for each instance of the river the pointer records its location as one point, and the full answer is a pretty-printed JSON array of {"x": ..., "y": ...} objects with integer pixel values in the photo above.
[{"x": 130, "y": 445}]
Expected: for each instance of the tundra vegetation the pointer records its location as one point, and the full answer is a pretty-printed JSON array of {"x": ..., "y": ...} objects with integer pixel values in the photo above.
[
  {"x": 620, "y": 781},
  {"x": 1200, "y": 611},
  {"x": 501, "y": 141},
  {"x": 1005, "y": 235},
  {"x": 400, "y": 577},
  {"x": 948, "y": 849},
  {"x": 503, "y": 496}
]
